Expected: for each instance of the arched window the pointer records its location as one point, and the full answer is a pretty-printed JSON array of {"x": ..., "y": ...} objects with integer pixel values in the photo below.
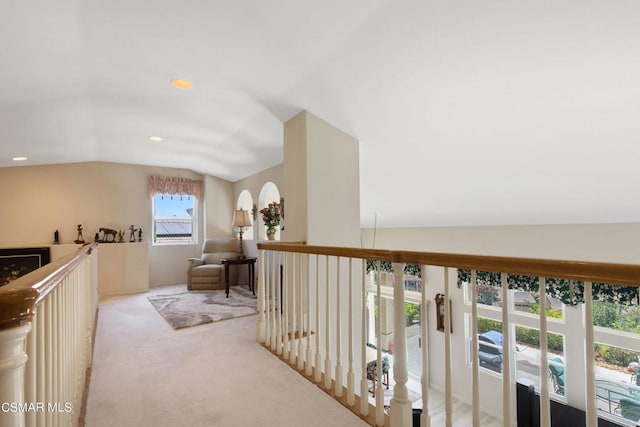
[
  {"x": 268, "y": 194},
  {"x": 245, "y": 201}
]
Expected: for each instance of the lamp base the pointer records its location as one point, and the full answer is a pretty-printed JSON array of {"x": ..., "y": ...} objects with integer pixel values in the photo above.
[{"x": 240, "y": 248}]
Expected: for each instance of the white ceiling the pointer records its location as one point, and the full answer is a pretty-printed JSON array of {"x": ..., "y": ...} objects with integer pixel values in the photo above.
[{"x": 468, "y": 113}]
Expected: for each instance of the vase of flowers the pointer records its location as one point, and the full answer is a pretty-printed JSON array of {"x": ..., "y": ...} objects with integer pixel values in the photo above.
[{"x": 271, "y": 215}]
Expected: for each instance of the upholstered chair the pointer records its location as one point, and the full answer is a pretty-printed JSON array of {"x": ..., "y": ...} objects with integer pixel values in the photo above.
[{"x": 206, "y": 272}]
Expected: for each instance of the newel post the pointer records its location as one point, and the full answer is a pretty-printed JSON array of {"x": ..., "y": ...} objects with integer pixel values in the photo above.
[
  {"x": 400, "y": 403},
  {"x": 12, "y": 361}
]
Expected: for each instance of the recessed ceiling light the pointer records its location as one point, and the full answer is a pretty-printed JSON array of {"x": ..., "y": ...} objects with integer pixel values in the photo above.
[
  {"x": 155, "y": 138},
  {"x": 19, "y": 159},
  {"x": 181, "y": 83}
]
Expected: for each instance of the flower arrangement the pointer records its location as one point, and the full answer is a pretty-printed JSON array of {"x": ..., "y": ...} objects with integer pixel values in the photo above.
[{"x": 271, "y": 215}]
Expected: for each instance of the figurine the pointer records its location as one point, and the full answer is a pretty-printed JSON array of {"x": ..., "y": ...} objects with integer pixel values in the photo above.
[
  {"x": 106, "y": 232},
  {"x": 120, "y": 236},
  {"x": 132, "y": 236},
  {"x": 97, "y": 238},
  {"x": 140, "y": 234},
  {"x": 80, "y": 239},
  {"x": 56, "y": 238}
]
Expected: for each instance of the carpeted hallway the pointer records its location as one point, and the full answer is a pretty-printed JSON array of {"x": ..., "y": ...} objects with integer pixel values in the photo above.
[{"x": 147, "y": 374}]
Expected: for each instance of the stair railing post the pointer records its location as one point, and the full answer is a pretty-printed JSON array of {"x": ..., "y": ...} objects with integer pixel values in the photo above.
[
  {"x": 12, "y": 365},
  {"x": 400, "y": 403}
]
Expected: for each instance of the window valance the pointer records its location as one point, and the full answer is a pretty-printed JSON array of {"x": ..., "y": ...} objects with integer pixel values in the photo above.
[
  {"x": 570, "y": 292},
  {"x": 174, "y": 186}
]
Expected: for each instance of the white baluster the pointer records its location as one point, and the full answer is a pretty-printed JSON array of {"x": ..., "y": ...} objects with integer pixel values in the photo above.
[
  {"x": 327, "y": 332},
  {"x": 318, "y": 359},
  {"x": 338, "y": 380},
  {"x": 351, "y": 399},
  {"x": 262, "y": 269},
  {"x": 293, "y": 268},
  {"x": 364, "y": 383},
  {"x": 400, "y": 403},
  {"x": 279, "y": 313},
  {"x": 302, "y": 285},
  {"x": 474, "y": 349},
  {"x": 285, "y": 302},
  {"x": 261, "y": 329},
  {"x": 545, "y": 407},
  {"x": 447, "y": 353},
  {"x": 275, "y": 268},
  {"x": 66, "y": 377},
  {"x": 506, "y": 354},
  {"x": 425, "y": 418},
  {"x": 49, "y": 349},
  {"x": 30, "y": 372},
  {"x": 379, "y": 392},
  {"x": 306, "y": 274},
  {"x": 41, "y": 354},
  {"x": 57, "y": 380},
  {"x": 590, "y": 374}
]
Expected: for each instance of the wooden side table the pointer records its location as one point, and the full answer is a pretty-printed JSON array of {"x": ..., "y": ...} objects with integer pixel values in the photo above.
[{"x": 249, "y": 261}]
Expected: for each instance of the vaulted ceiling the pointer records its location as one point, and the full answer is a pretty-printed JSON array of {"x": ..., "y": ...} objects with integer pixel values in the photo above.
[{"x": 467, "y": 113}]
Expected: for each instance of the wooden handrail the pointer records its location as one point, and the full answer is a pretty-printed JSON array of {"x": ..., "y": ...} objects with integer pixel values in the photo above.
[
  {"x": 20, "y": 298},
  {"x": 616, "y": 274},
  {"x": 375, "y": 254}
]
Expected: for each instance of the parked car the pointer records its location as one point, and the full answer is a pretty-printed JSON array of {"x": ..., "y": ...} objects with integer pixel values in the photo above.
[{"x": 490, "y": 357}]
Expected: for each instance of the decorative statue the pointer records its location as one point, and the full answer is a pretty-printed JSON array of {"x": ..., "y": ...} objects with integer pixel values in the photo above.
[
  {"x": 106, "y": 232},
  {"x": 132, "y": 236},
  {"x": 140, "y": 234},
  {"x": 120, "y": 236},
  {"x": 56, "y": 238},
  {"x": 80, "y": 239}
]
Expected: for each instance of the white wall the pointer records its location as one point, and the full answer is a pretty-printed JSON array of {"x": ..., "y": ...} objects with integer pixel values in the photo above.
[
  {"x": 585, "y": 242},
  {"x": 322, "y": 181},
  {"x": 219, "y": 207},
  {"x": 333, "y": 185},
  {"x": 590, "y": 242},
  {"x": 37, "y": 200},
  {"x": 295, "y": 174}
]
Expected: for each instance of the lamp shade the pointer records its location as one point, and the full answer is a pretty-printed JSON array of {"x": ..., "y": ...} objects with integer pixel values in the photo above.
[{"x": 241, "y": 218}]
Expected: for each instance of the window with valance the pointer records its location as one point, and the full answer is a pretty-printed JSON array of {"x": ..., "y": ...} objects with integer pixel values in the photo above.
[{"x": 174, "y": 208}]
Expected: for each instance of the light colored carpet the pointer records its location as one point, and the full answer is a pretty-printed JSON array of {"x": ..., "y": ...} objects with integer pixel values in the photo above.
[
  {"x": 147, "y": 374},
  {"x": 193, "y": 308}
]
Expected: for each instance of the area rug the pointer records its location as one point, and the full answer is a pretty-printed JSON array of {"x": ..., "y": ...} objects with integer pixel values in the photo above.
[{"x": 193, "y": 308}]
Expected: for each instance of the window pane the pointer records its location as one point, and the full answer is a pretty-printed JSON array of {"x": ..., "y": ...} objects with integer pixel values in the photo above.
[
  {"x": 529, "y": 302},
  {"x": 528, "y": 358},
  {"x": 490, "y": 344},
  {"x": 412, "y": 312},
  {"x": 617, "y": 387},
  {"x": 618, "y": 317},
  {"x": 489, "y": 295},
  {"x": 173, "y": 219}
]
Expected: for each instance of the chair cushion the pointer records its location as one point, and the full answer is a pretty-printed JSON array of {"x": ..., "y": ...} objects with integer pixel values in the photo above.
[
  {"x": 219, "y": 244},
  {"x": 216, "y": 257},
  {"x": 206, "y": 270}
]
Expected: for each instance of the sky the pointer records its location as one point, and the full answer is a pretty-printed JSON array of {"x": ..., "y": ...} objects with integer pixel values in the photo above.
[{"x": 172, "y": 205}]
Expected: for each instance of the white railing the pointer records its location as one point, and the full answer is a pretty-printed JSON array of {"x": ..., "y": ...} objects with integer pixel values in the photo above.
[
  {"x": 46, "y": 338},
  {"x": 313, "y": 304}
]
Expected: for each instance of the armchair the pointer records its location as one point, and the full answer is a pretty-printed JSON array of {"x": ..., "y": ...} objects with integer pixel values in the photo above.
[{"x": 206, "y": 272}]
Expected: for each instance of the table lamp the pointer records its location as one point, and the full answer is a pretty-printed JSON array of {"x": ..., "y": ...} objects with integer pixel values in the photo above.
[{"x": 241, "y": 220}]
